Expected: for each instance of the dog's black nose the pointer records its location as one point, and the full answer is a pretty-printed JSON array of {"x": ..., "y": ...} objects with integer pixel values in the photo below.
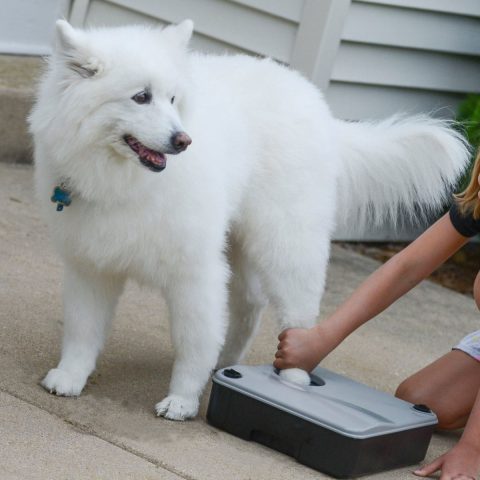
[{"x": 180, "y": 141}]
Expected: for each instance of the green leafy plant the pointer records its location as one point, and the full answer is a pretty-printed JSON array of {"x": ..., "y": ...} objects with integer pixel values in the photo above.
[{"x": 468, "y": 118}]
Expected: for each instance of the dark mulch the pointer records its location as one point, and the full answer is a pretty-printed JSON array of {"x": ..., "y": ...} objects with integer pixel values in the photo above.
[{"x": 458, "y": 273}]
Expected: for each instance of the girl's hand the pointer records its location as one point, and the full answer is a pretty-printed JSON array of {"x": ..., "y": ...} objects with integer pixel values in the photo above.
[
  {"x": 462, "y": 462},
  {"x": 302, "y": 348}
]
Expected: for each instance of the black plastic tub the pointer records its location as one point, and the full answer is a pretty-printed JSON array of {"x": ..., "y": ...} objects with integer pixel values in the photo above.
[{"x": 335, "y": 425}]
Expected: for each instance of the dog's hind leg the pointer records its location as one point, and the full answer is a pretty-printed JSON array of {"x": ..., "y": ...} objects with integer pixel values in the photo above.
[
  {"x": 246, "y": 304},
  {"x": 292, "y": 260},
  {"x": 89, "y": 304},
  {"x": 296, "y": 292}
]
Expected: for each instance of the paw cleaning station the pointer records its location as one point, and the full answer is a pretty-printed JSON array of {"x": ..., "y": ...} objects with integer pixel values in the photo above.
[{"x": 334, "y": 425}]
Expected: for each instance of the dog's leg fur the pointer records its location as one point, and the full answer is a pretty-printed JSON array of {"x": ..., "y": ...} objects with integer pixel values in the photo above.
[
  {"x": 293, "y": 271},
  {"x": 197, "y": 301},
  {"x": 296, "y": 293},
  {"x": 89, "y": 305},
  {"x": 247, "y": 302}
]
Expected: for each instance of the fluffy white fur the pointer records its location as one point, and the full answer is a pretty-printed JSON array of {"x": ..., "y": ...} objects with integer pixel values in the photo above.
[
  {"x": 295, "y": 375},
  {"x": 260, "y": 179}
]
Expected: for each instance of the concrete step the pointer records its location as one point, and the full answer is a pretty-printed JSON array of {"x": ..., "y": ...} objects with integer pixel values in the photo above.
[{"x": 18, "y": 76}]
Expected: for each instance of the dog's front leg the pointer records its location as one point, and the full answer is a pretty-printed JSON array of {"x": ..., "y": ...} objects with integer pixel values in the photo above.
[
  {"x": 197, "y": 310},
  {"x": 89, "y": 304}
]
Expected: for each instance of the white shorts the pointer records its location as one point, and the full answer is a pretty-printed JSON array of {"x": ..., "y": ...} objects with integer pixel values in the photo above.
[{"x": 470, "y": 345}]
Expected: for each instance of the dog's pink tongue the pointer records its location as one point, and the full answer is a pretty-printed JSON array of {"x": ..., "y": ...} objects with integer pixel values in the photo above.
[{"x": 156, "y": 158}]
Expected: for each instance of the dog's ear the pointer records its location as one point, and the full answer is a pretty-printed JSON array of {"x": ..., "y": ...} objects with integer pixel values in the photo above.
[
  {"x": 180, "y": 33},
  {"x": 71, "y": 48}
]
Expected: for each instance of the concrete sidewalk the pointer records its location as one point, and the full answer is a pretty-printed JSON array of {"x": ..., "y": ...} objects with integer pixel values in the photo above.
[{"x": 110, "y": 432}]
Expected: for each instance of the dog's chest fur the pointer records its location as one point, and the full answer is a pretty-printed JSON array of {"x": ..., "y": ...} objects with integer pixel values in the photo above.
[{"x": 141, "y": 241}]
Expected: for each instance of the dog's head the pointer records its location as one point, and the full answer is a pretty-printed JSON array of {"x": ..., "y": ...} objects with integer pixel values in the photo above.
[{"x": 118, "y": 93}]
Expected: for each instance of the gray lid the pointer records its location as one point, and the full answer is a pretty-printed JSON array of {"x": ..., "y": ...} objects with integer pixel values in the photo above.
[{"x": 341, "y": 404}]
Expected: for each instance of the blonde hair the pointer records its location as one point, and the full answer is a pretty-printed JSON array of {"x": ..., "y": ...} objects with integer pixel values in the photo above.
[{"x": 468, "y": 200}]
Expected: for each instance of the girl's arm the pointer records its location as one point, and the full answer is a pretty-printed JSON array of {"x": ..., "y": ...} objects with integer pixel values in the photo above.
[
  {"x": 305, "y": 348},
  {"x": 463, "y": 460}
]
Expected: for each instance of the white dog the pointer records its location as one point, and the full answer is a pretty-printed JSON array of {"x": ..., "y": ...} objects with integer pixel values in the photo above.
[{"x": 268, "y": 175}]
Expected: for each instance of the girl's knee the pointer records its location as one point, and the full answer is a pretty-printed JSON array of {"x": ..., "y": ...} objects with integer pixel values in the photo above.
[
  {"x": 476, "y": 290},
  {"x": 450, "y": 421},
  {"x": 413, "y": 392},
  {"x": 410, "y": 391}
]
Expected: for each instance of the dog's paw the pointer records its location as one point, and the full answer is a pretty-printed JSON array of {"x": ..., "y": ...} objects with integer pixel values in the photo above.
[
  {"x": 295, "y": 375},
  {"x": 175, "y": 407},
  {"x": 63, "y": 383}
]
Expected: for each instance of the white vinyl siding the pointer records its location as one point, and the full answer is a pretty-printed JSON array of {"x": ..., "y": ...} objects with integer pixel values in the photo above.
[
  {"x": 260, "y": 27},
  {"x": 406, "y": 56},
  {"x": 458, "y": 7},
  {"x": 372, "y": 58},
  {"x": 26, "y": 26}
]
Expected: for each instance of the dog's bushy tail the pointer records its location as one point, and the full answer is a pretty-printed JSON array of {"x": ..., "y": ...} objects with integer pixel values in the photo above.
[{"x": 397, "y": 168}]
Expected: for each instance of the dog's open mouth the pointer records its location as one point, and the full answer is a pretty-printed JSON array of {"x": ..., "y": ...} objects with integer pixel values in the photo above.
[{"x": 153, "y": 160}]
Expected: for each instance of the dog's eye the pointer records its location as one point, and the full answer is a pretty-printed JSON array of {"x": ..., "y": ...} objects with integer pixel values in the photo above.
[
  {"x": 142, "y": 97},
  {"x": 172, "y": 99}
]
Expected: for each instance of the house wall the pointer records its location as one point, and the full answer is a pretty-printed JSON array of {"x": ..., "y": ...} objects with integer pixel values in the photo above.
[
  {"x": 26, "y": 25},
  {"x": 258, "y": 27},
  {"x": 406, "y": 55},
  {"x": 372, "y": 58}
]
